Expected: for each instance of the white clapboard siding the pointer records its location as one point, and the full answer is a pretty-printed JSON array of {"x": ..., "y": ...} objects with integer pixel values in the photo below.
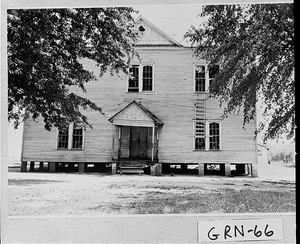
[{"x": 172, "y": 101}]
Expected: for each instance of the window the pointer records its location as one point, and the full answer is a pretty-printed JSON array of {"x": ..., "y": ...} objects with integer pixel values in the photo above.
[
  {"x": 199, "y": 135},
  {"x": 200, "y": 78},
  {"x": 214, "y": 136},
  {"x": 77, "y": 141},
  {"x": 147, "y": 78},
  {"x": 206, "y": 135},
  {"x": 142, "y": 73},
  {"x": 71, "y": 138},
  {"x": 63, "y": 139},
  {"x": 133, "y": 82}
]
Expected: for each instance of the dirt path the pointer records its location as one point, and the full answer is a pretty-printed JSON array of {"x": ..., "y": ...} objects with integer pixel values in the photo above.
[{"x": 57, "y": 194}]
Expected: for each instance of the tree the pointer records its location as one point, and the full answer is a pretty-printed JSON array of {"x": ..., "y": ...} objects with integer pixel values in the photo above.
[
  {"x": 44, "y": 51},
  {"x": 254, "y": 48}
]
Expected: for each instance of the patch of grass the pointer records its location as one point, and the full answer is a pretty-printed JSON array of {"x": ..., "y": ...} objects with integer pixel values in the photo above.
[
  {"x": 229, "y": 201},
  {"x": 23, "y": 182}
]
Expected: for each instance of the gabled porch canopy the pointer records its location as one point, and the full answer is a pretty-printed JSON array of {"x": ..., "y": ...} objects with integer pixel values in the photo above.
[{"x": 135, "y": 114}]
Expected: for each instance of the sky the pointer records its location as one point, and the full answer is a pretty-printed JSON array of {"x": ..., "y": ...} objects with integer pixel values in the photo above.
[{"x": 173, "y": 19}]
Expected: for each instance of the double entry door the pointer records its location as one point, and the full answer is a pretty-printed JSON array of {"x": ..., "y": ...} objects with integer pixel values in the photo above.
[{"x": 138, "y": 142}]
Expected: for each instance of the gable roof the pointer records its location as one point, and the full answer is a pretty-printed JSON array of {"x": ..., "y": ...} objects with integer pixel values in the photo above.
[
  {"x": 153, "y": 36},
  {"x": 147, "y": 114}
]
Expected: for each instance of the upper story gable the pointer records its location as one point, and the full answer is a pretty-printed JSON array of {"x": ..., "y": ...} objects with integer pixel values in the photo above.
[{"x": 150, "y": 35}]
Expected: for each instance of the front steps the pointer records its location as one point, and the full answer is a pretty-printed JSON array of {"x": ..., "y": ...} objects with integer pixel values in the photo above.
[{"x": 132, "y": 167}]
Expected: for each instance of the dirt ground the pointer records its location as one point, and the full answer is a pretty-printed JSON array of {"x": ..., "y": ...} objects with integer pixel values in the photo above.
[{"x": 64, "y": 194}]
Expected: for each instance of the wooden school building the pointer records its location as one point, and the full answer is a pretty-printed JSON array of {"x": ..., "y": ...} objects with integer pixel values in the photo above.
[{"x": 159, "y": 120}]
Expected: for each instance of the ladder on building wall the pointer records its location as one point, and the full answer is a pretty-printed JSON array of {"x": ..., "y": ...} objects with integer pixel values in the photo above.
[{"x": 200, "y": 109}]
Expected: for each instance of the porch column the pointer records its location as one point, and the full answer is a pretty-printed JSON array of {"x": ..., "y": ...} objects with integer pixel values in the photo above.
[
  {"x": 254, "y": 170},
  {"x": 227, "y": 170},
  {"x": 119, "y": 149},
  {"x": 81, "y": 167},
  {"x": 113, "y": 143},
  {"x": 23, "y": 166},
  {"x": 201, "y": 169},
  {"x": 153, "y": 141}
]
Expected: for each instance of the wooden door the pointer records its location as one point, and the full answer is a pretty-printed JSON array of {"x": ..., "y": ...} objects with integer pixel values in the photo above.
[{"x": 138, "y": 142}]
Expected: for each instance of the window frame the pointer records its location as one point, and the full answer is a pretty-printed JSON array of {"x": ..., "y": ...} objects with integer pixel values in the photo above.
[
  {"x": 207, "y": 135},
  {"x": 140, "y": 78},
  {"x": 70, "y": 138}
]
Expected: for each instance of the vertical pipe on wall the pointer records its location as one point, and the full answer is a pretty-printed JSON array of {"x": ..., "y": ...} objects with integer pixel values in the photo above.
[
  {"x": 113, "y": 143},
  {"x": 153, "y": 141},
  {"x": 119, "y": 149}
]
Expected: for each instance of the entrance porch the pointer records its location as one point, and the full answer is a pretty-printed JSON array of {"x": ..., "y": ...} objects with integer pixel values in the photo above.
[{"x": 134, "y": 139}]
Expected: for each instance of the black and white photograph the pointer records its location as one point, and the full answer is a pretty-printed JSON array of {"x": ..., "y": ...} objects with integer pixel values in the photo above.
[{"x": 148, "y": 123}]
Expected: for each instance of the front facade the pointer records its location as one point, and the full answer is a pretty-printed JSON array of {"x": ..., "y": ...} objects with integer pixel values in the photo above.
[{"x": 159, "y": 118}]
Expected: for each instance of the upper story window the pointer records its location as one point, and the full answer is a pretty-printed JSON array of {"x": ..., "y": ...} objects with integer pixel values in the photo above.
[
  {"x": 202, "y": 78},
  {"x": 139, "y": 73},
  {"x": 71, "y": 138},
  {"x": 147, "y": 78}
]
